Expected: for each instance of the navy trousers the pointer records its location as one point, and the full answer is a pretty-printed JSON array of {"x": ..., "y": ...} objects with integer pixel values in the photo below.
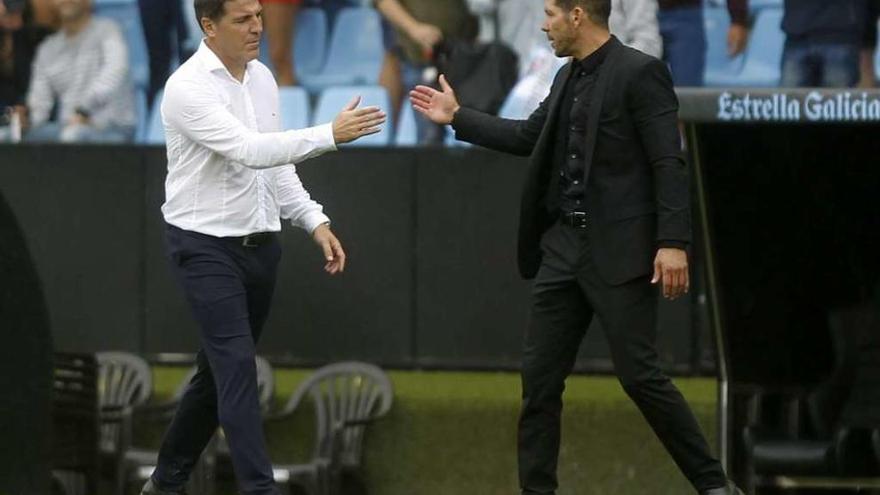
[{"x": 229, "y": 288}]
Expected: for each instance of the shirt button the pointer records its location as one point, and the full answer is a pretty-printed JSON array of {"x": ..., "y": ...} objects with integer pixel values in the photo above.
[
  {"x": 583, "y": 74},
  {"x": 572, "y": 127},
  {"x": 577, "y": 182},
  {"x": 575, "y": 99},
  {"x": 578, "y": 201},
  {"x": 561, "y": 173},
  {"x": 574, "y": 156}
]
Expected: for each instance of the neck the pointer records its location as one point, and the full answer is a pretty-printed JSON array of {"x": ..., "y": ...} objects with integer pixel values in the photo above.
[
  {"x": 235, "y": 67},
  {"x": 592, "y": 41},
  {"x": 72, "y": 27}
]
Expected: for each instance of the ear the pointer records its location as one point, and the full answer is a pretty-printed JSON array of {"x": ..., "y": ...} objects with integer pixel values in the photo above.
[
  {"x": 207, "y": 26},
  {"x": 577, "y": 15}
]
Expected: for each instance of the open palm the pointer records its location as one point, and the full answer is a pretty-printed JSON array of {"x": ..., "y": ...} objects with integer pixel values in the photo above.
[{"x": 438, "y": 106}]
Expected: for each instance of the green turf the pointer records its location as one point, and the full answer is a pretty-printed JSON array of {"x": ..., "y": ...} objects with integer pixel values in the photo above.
[{"x": 455, "y": 433}]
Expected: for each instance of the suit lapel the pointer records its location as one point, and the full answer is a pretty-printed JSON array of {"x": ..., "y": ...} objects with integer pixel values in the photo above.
[
  {"x": 552, "y": 115},
  {"x": 598, "y": 98}
]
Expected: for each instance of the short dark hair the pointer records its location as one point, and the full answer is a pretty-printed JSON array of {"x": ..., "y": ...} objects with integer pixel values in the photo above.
[
  {"x": 212, "y": 9},
  {"x": 597, "y": 10}
]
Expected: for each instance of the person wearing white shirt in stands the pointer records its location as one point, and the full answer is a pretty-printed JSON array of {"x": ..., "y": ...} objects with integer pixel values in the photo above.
[{"x": 231, "y": 178}]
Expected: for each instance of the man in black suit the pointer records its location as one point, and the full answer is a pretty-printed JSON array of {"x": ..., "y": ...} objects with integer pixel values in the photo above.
[{"x": 605, "y": 205}]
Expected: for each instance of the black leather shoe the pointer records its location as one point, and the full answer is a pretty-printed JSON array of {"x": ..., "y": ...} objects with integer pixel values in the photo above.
[
  {"x": 150, "y": 489},
  {"x": 730, "y": 489}
]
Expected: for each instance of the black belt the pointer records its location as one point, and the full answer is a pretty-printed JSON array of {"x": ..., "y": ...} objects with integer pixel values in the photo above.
[
  {"x": 577, "y": 219},
  {"x": 256, "y": 239}
]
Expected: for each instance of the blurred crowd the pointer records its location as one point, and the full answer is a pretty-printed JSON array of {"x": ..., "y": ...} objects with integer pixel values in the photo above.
[{"x": 65, "y": 73}]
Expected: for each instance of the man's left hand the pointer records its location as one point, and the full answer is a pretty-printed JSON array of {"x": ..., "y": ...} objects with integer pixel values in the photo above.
[
  {"x": 671, "y": 270},
  {"x": 332, "y": 249}
]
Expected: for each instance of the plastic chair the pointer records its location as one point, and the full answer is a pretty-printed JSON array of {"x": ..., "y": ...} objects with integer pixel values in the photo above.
[
  {"x": 294, "y": 102},
  {"x": 75, "y": 420},
  {"x": 155, "y": 130},
  {"x": 346, "y": 397},
  {"x": 127, "y": 15},
  {"x": 332, "y": 100},
  {"x": 355, "y": 52},
  {"x": 721, "y": 69},
  {"x": 310, "y": 41},
  {"x": 763, "y": 58},
  {"x": 124, "y": 383},
  {"x": 407, "y": 134}
]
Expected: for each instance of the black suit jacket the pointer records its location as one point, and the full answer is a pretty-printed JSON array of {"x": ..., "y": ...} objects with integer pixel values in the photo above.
[{"x": 637, "y": 181}]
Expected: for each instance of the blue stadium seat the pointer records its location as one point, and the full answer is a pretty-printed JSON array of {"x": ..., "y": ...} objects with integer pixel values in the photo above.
[
  {"x": 155, "y": 133},
  {"x": 721, "y": 69},
  {"x": 332, "y": 100},
  {"x": 294, "y": 102},
  {"x": 355, "y": 53},
  {"x": 763, "y": 58},
  {"x": 756, "y": 5},
  {"x": 310, "y": 41},
  {"x": 142, "y": 113},
  {"x": 406, "y": 134},
  {"x": 127, "y": 15}
]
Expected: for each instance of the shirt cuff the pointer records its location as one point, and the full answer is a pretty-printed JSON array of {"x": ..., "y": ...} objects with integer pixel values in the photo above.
[
  {"x": 672, "y": 244},
  {"x": 325, "y": 131},
  {"x": 311, "y": 221}
]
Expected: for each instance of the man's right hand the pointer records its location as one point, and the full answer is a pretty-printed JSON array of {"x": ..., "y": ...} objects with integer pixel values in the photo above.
[
  {"x": 354, "y": 123},
  {"x": 439, "y": 107}
]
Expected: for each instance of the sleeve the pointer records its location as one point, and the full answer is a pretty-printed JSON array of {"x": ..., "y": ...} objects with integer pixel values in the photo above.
[
  {"x": 517, "y": 137},
  {"x": 296, "y": 203},
  {"x": 113, "y": 72},
  {"x": 739, "y": 11},
  {"x": 654, "y": 108},
  {"x": 641, "y": 30},
  {"x": 39, "y": 97},
  {"x": 201, "y": 115}
]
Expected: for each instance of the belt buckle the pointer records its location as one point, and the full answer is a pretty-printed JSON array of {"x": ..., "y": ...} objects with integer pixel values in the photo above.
[
  {"x": 249, "y": 241},
  {"x": 578, "y": 219}
]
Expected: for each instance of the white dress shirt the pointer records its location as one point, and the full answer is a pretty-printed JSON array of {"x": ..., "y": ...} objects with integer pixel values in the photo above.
[{"x": 230, "y": 168}]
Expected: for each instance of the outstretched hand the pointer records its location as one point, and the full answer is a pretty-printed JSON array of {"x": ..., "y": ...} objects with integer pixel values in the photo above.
[
  {"x": 438, "y": 106},
  {"x": 354, "y": 123}
]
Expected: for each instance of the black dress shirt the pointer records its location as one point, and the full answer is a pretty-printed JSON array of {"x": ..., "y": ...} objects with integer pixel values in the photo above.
[{"x": 571, "y": 127}]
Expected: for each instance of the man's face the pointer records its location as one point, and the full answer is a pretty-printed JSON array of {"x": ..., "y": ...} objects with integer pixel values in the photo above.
[
  {"x": 71, "y": 10},
  {"x": 559, "y": 27},
  {"x": 236, "y": 35}
]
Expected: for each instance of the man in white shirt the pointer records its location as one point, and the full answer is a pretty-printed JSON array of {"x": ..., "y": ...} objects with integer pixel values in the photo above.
[{"x": 230, "y": 177}]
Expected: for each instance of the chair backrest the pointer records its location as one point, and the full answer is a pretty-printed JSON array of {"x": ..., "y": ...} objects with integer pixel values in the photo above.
[
  {"x": 720, "y": 66},
  {"x": 155, "y": 132},
  {"x": 128, "y": 17},
  {"x": 356, "y": 45},
  {"x": 763, "y": 58},
  {"x": 333, "y": 99},
  {"x": 345, "y": 392},
  {"x": 265, "y": 383},
  {"x": 124, "y": 381},
  {"x": 310, "y": 41},
  {"x": 294, "y": 102},
  {"x": 406, "y": 133},
  {"x": 75, "y": 419}
]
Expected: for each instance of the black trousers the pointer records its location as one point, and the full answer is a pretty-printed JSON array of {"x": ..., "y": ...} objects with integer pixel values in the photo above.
[
  {"x": 229, "y": 288},
  {"x": 567, "y": 292}
]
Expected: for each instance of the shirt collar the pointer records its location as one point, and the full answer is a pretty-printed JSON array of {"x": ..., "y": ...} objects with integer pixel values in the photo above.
[
  {"x": 591, "y": 62},
  {"x": 212, "y": 62}
]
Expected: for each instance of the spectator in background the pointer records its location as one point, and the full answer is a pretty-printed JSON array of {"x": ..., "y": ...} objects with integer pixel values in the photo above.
[
  {"x": 165, "y": 34},
  {"x": 634, "y": 22},
  {"x": 83, "y": 69},
  {"x": 684, "y": 37},
  {"x": 824, "y": 41},
  {"x": 418, "y": 26},
  {"x": 19, "y": 38},
  {"x": 867, "y": 71},
  {"x": 279, "y": 19}
]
